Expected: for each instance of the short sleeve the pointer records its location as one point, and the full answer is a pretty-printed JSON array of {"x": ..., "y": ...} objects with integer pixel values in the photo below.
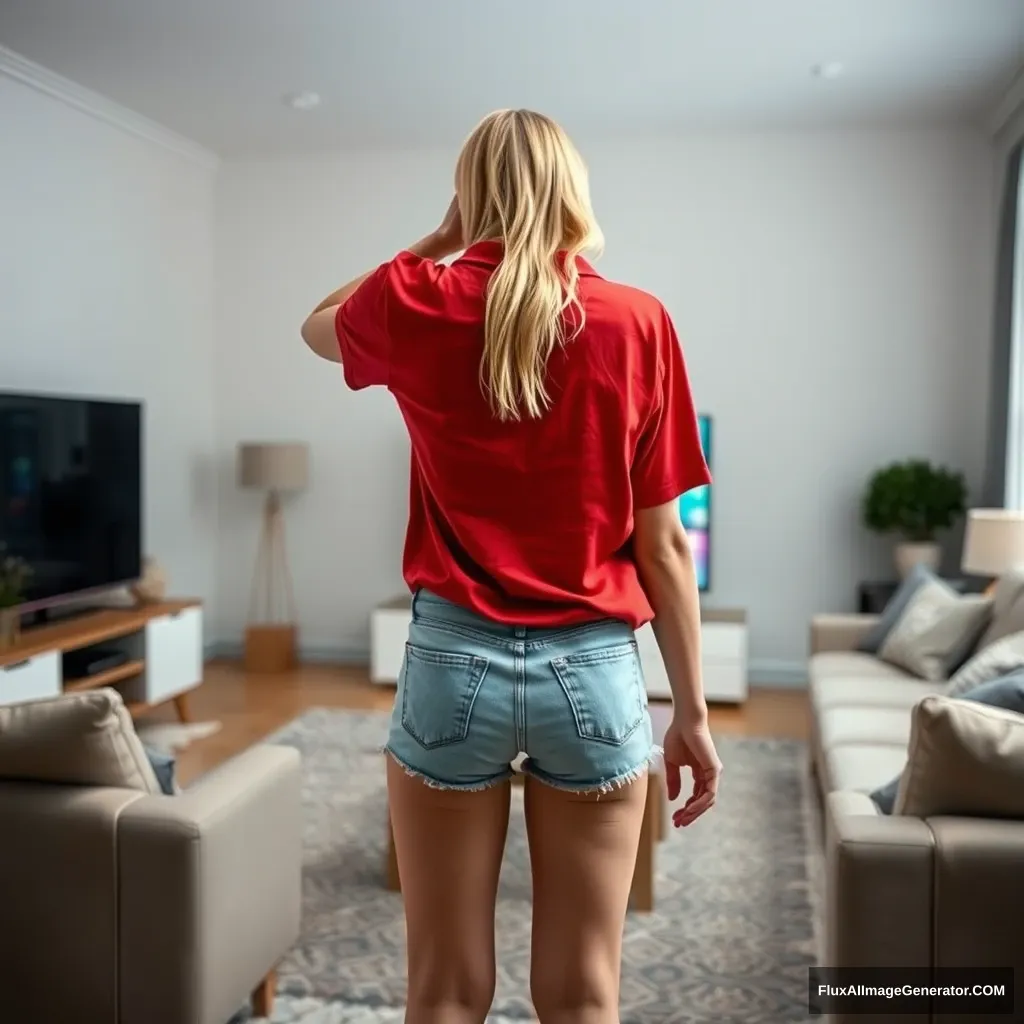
[
  {"x": 669, "y": 460},
  {"x": 361, "y": 325}
]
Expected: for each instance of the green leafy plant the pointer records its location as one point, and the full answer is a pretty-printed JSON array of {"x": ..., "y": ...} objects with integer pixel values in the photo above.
[
  {"x": 14, "y": 574},
  {"x": 914, "y": 499}
]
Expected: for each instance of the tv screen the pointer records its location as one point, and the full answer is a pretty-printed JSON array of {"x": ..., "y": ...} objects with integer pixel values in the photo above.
[
  {"x": 71, "y": 492},
  {"x": 695, "y": 512}
]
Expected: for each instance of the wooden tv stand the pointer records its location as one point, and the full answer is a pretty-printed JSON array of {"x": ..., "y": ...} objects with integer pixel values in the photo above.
[{"x": 163, "y": 645}]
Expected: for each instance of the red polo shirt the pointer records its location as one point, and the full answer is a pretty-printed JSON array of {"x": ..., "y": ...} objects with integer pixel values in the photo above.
[{"x": 528, "y": 522}]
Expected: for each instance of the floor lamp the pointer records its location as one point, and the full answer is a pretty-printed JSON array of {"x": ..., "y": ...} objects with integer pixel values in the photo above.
[{"x": 271, "y": 632}]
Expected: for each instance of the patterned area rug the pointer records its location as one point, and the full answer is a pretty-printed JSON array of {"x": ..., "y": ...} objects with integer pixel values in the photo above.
[{"x": 730, "y": 939}]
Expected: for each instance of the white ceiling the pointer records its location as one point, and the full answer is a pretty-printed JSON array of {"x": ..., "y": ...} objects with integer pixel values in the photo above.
[{"x": 417, "y": 72}]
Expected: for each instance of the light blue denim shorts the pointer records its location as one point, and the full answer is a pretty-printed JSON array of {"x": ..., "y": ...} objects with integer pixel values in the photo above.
[{"x": 474, "y": 695}]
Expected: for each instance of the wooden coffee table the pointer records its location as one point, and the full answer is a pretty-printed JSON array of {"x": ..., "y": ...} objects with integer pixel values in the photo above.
[{"x": 653, "y": 829}]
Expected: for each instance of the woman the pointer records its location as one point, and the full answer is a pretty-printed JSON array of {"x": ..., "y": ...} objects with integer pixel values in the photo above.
[{"x": 552, "y": 432}]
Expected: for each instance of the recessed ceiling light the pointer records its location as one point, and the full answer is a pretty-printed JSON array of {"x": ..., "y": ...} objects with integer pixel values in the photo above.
[
  {"x": 302, "y": 100},
  {"x": 829, "y": 69}
]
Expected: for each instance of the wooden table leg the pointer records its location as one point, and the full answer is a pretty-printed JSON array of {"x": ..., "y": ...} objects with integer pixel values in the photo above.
[
  {"x": 181, "y": 706},
  {"x": 394, "y": 884},
  {"x": 642, "y": 892},
  {"x": 263, "y": 996},
  {"x": 664, "y": 812}
]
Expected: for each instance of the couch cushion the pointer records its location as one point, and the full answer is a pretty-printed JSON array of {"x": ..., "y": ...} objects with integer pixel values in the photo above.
[
  {"x": 85, "y": 739},
  {"x": 864, "y": 767},
  {"x": 887, "y": 726},
  {"x": 895, "y": 691},
  {"x": 845, "y": 801},
  {"x": 964, "y": 759},
  {"x": 998, "y": 659},
  {"x": 847, "y": 664}
]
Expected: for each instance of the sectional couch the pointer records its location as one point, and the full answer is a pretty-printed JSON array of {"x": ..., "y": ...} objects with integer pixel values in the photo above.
[{"x": 901, "y": 891}]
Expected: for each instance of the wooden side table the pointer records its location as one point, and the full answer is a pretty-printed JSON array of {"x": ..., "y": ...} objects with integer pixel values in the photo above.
[{"x": 873, "y": 596}]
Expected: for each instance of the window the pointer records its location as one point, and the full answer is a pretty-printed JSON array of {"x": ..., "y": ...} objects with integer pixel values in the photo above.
[{"x": 1015, "y": 417}]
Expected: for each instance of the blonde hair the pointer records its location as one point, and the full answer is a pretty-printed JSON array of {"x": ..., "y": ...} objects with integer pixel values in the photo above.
[{"x": 521, "y": 181}]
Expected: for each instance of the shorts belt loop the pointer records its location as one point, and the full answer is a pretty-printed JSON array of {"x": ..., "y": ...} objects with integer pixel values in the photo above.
[{"x": 415, "y": 594}]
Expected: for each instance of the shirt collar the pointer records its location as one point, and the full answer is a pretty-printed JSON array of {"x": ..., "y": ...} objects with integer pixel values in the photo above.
[{"x": 489, "y": 253}]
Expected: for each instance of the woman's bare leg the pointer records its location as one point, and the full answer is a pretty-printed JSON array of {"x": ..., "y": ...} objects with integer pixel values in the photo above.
[
  {"x": 583, "y": 850},
  {"x": 449, "y": 845}
]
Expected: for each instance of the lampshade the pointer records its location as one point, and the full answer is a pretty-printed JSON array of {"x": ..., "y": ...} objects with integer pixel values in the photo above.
[
  {"x": 994, "y": 541},
  {"x": 273, "y": 465}
]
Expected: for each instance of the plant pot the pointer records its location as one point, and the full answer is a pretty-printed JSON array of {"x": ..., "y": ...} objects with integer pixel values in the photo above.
[
  {"x": 10, "y": 627},
  {"x": 910, "y": 554}
]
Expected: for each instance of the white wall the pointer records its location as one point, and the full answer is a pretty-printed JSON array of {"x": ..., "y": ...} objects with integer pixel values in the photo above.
[
  {"x": 832, "y": 292},
  {"x": 106, "y": 289}
]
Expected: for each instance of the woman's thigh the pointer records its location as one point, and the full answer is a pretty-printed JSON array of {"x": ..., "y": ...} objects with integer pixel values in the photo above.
[
  {"x": 449, "y": 845},
  {"x": 583, "y": 849}
]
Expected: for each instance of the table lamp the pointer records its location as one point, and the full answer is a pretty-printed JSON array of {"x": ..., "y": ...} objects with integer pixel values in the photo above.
[
  {"x": 271, "y": 632},
  {"x": 993, "y": 543}
]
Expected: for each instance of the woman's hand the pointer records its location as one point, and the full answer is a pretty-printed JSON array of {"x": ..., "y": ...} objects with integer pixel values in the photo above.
[
  {"x": 449, "y": 234},
  {"x": 690, "y": 745},
  {"x": 445, "y": 240}
]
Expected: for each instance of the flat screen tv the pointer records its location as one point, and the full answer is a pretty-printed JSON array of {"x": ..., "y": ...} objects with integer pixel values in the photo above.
[
  {"x": 71, "y": 493},
  {"x": 695, "y": 512}
]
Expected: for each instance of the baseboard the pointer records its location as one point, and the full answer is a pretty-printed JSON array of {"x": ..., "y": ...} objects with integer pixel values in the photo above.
[
  {"x": 774, "y": 673},
  {"x": 312, "y": 654}
]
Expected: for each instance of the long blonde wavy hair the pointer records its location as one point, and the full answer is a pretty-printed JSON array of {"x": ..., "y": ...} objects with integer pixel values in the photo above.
[{"x": 521, "y": 181}]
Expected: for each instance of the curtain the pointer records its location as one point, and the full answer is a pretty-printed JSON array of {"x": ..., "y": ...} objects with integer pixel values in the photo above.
[{"x": 1003, "y": 474}]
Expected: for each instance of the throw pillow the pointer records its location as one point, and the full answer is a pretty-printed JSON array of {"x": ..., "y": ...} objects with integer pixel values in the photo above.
[
  {"x": 964, "y": 759},
  {"x": 1005, "y": 692},
  {"x": 918, "y": 577},
  {"x": 998, "y": 659},
  {"x": 936, "y": 630},
  {"x": 163, "y": 765},
  {"x": 85, "y": 739}
]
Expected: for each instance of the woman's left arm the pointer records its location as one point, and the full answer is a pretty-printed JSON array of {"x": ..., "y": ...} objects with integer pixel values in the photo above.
[{"x": 319, "y": 329}]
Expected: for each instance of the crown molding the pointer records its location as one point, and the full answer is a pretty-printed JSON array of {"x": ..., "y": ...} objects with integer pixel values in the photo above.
[
  {"x": 1011, "y": 103},
  {"x": 13, "y": 65}
]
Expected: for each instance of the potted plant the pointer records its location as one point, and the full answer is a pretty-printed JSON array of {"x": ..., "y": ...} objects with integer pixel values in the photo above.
[
  {"x": 14, "y": 574},
  {"x": 915, "y": 501}
]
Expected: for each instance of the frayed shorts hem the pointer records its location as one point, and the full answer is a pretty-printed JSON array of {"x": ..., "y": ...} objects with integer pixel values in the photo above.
[
  {"x": 600, "y": 786},
  {"x": 434, "y": 783}
]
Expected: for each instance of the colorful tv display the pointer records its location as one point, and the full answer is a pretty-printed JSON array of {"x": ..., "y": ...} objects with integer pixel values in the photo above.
[{"x": 695, "y": 512}]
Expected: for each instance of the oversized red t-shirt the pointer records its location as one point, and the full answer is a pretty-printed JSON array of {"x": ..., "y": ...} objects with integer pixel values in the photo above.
[{"x": 526, "y": 522}]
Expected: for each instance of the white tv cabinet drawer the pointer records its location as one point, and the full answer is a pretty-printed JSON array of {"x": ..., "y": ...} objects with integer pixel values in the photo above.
[
  {"x": 35, "y": 678},
  {"x": 174, "y": 654}
]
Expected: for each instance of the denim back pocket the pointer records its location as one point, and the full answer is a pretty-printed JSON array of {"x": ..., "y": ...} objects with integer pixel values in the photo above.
[
  {"x": 438, "y": 692},
  {"x": 605, "y": 690}
]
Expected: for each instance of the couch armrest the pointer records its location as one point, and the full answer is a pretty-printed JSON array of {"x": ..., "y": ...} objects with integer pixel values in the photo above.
[
  {"x": 830, "y": 632},
  {"x": 58, "y": 899},
  {"x": 880, "y": 884},
  {"x": 979, "y": 895},
  {"x": 210, "y": 889}
]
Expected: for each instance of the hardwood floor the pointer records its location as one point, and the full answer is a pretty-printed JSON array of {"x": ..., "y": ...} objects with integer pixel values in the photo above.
[{"x": 250, "y": 707}]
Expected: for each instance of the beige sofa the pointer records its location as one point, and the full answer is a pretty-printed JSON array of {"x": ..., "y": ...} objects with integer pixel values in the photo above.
[
  {"x": 901, "y": 891},
  {"x": 121, "y": 907}
]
